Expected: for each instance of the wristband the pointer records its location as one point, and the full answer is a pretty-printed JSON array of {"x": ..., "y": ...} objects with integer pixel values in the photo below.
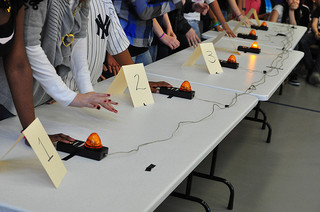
[
  {"x": 161, "y": 36},
  {"x": 244, "y": 9},
  {"x": 216, "y": 24}
]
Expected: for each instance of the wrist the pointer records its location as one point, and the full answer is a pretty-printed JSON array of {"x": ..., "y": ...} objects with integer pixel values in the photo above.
[
  {"x": 215, "y": 24},
  {"x": 162, "y": 35},
  {"x": 244, "y": 9}
]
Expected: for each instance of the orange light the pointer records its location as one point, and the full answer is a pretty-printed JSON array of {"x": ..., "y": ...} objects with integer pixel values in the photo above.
[
  {"x": 264, "y": 24},
  {"x": 254, "y": 45},
  {"x": 185, "y": 86},
  {"x": 232, "y": 59},
  {"x": 252, "y": 32},
  {"x": 93, "y": 141}
]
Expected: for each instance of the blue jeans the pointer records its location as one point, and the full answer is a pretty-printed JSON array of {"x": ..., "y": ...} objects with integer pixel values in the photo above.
[
  {"x": 144, "y": 58},
  {"x": 225, "y": 14},
  {"x": 195, "y": 25},
  {"x": 153, "y": 52}
]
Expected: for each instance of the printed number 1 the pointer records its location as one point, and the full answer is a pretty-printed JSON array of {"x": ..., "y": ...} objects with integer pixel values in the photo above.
[
  {"x": 45, "y": 150},
  {"x": 211, "y": 56}
]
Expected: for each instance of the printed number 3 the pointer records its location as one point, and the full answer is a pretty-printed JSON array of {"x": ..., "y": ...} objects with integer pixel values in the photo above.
[{"x": 212, "y": 59}]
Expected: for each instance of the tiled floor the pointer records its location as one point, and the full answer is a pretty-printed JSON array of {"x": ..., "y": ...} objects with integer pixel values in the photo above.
[{"x": 281, "y": 176}]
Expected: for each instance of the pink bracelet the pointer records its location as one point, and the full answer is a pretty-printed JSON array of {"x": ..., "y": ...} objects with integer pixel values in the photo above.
[{"x": 161, "y": 36}]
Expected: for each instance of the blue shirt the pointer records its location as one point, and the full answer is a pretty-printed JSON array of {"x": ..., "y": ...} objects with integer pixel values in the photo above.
[{"x": 136, "y": 18}]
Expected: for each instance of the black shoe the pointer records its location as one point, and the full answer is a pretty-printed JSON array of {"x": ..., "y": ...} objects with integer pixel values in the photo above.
[
  {"x": 314, "y": 79},
  {"x": 293, "y": 80}
]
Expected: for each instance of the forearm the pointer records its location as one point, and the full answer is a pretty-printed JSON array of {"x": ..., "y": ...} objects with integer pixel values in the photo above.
[
  {"x": 292, "y": 19},
  {"x": 21, "y": 90},
  {"x": 47, "y": 75},
  {"x": 80, "y": 69},
  {"x": 166, "y": 21},
  {"x": 235, "y": 7},
  {"x": 314, "y": 25},
  {"x": 214, "y": 6},
  {"x": 158, "y": 31},
  {"x": 123, "y": 58}
]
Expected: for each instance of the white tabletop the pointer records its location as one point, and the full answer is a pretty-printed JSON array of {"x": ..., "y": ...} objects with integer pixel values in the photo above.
[
  {"x": 250, "y": 71},
  {"x": 119, "y": 182},
  {"x": 270, "y": 37}
]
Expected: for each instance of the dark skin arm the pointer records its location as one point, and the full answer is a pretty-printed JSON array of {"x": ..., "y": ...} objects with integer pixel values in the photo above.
[
  {"x": 124, "y": 58},
  {"x": 17, "y": 67}
]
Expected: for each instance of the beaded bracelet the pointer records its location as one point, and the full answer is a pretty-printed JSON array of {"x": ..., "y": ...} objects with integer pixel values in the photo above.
[{"x": 161, "y": 36}]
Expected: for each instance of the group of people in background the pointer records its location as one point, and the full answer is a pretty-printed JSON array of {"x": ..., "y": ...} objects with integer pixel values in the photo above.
[{"x": 56, "y": 50}]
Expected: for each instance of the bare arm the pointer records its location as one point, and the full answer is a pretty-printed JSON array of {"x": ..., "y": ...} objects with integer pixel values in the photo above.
[{"x": 17, "y": 67}]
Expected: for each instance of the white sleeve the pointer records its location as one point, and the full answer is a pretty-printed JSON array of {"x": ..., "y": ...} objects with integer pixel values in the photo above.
[
  {"x": 47, "y": 76},
  {"x": 209, "y": 1},
  {"x": 79, "y": 66},
  {"x": 117, "y": 39},
  {"x": 279, "y": 9}
]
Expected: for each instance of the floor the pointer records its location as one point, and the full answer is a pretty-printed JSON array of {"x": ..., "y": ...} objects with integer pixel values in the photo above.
[{"x": 281, "y": 176}]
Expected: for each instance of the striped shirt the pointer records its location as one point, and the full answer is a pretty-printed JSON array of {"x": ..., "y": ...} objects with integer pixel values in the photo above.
[
  {"x": 104, "y": 34},
  {"x": 136, "y": 18}
]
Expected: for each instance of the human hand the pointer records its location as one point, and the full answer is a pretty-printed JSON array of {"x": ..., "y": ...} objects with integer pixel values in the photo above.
[
  {"x": 218, "y": 28},
  {"x": 183, "y": 2},
  {"x": 155, "y": 85},
  {"x": 317, "y": 36},
  {"x": 228, "y": 30},
  {"x": 113, "y": 66},
  {"x": 293, "y": 4},
  {"x": 200, "y": 8},
  {"x": 192, "y": 38},
  {"x": 94, "y": 100},
  {"x": 171, "y": 42},
  {"x": 62, "y": 138},
  {"x": 171, "y": 33}
]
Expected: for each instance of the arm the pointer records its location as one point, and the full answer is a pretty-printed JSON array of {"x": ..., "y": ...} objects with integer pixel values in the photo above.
[
  {"x": 167, "y": 24},
  {"x": 274, "y": 16},
  {"x": 171, "y": 42},
  {"x": 20, "y": 69},
  {"x": 214, "y": 20},
  {"x": 292, "y": 19},
  {"x": 216, "y": 9},
  {"x": 314, "y": 27}
]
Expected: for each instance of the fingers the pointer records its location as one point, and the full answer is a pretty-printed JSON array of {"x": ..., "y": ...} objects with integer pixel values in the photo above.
[
  {"x": 62, "y": 138},
  {"x": 155, "y": 85}
]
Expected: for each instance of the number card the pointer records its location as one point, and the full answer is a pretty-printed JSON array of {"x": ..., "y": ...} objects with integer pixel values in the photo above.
[
  {"x": 252, "y": 10},
  {"x": 209, "y": 55},
  {"x": 134, "y": 77},
  {"x": 45, "y": 151}
]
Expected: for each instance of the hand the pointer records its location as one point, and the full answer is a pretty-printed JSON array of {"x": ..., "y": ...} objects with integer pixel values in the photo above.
[
  {"x": 218, "y": 28},
  {"x": 192, "y": 38},
  {"x": 171, "y": 33},
  {"x": 228, "y": 30},
  {"x": 294, "y": 5},
  {"x": 171, "y": 42},
  {"x": 317, "y": 36},
  {"x": 62, "y": 138},
  {"x": 155, "y": 85},
  {"x": 183, "y": 2},
  {"x": 113, "y": 66},
  {"x": 200, "y": 8},
  {"x": 94, "y": 100},
  {"x": 247, "y": 23}
]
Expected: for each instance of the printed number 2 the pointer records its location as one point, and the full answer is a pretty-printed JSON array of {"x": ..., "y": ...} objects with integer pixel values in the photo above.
[
  {"x": 50, "y": 157},
  {"x": 137, "y": 86},
  {"x": 212, "y": 59}
]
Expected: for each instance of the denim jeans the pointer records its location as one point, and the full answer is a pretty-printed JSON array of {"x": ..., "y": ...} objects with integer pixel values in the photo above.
[
  {"x": 304, "y": 45},
  {"x": 144, "y": 58},
  {"x": 195, "y": 25}
]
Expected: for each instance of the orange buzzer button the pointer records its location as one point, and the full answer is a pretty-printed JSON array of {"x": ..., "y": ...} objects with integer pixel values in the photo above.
[
  {"x": 185, "y": 86},
  {"x": 252, "y": 32},
  {"x": 254, "y": 45},
  {"x": 232, "y": 59},
  {"x": 93, "y": 141},
  {"x": 264, "y": 24}
]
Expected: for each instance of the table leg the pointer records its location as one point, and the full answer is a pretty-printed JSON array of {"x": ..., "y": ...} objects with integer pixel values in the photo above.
[
  {"x": 215, "y": 178},
  {"x": 187, "y": 195}
]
